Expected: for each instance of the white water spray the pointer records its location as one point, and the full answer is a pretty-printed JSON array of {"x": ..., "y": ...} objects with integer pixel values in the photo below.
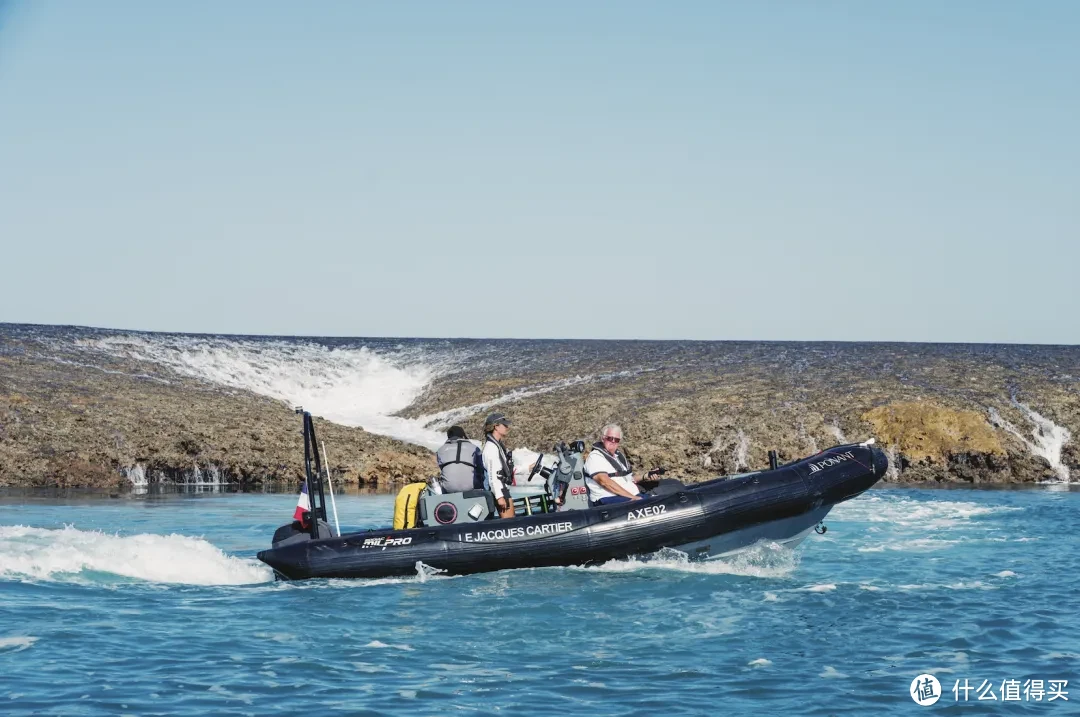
[
  {"x": 1048, "y": 438},
  {"x": 359, "y": 387},
  {"x": 892, "y": 473},
  {"x": 808, "y": 439},
  {"x": 17, "y": 644},
  {"x": 761, "y": 560},
  {"x": 69, "y": 553},
  {"x": 351, "y": 386},
  {"x": 448, "y": 418},
  {"x": 137, "y": 475},
  {"x": 195, "y": 477},
  {"x": 742, "y": 452}
]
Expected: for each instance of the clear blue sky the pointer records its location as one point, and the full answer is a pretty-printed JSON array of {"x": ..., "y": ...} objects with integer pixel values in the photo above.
[{"x": 715, "y": 170}]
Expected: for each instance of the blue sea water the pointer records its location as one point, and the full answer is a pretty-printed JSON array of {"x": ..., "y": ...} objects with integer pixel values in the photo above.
[{"x": 155, "y": 605}]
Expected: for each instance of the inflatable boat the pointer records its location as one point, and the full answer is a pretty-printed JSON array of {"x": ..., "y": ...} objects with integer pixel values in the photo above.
[{"x": 557, "y": 526}]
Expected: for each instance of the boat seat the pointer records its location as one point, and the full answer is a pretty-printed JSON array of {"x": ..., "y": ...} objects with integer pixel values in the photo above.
[
  {"x": 667, "y": 486},
  {"x": 295, "y": 533}
]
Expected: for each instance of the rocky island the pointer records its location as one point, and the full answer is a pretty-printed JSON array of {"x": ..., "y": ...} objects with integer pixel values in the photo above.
[{"x": 74, "y": 415}]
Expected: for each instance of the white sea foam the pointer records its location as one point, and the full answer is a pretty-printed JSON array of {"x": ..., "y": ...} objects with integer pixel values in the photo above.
[
  {"x": 378, "y": 644},
  {"x": 759, "y": 662},
  {"x": 808, "y": 439},
  {"x": 351, "y": 386},
  {"x": 765, "y": 560},
  {"x": 1047, "y": 438},
  {"x": 913, "y": 545},
  {"x": 137, "y": 475},
  {"x": 823, "y": 588},
  {"x": 228, "y": 694},
  {"x": 476, "y": 669},
  {"x": 970, "y": 585},
  {"x": 742, "y": 452},
  {"x": 831, "y": 673},
  {"x": 892, "y": 471},
  {"x": 447, "y": 418},
  {"x": 903, "y": 524},
  {"x": 370, "y": 668},
  {"x": 17, "y": 643},
  {"x": 43, "y": 554},
  {"x": 443, "y": 419},
  {"x": 835, "y": 430},
  {"x": 1061, "y": 656},
  {"x": 906, "y": 512},
  {"x": 959, "y": 585},
  {"x": 426, "y": 572}
]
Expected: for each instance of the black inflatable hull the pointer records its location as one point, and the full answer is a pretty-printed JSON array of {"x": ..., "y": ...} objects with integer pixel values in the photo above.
[{"x": 704, "y": 520}]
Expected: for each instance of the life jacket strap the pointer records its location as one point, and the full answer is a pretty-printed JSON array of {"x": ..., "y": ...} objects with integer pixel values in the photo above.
[
  {"x": 620, "y": 468},
  {"x": 457, "y": 459}
]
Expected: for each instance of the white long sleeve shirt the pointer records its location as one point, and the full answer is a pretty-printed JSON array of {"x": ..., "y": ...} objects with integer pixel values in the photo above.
[{"x": 493, "y": 466}]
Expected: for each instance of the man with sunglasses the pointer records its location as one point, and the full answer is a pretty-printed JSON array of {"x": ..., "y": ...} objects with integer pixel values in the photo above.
[{"x": 608, "y": 473}]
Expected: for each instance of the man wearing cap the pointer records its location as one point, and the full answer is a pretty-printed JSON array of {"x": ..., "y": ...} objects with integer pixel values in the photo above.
[
  {"x": 608, "y": 473},
  {"x": 498, "y": 465},
  {"x": 461, "y": 467}
]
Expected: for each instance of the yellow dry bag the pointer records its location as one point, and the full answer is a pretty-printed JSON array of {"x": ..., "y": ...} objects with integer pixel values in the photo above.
[{"x": 405, "y": 507}]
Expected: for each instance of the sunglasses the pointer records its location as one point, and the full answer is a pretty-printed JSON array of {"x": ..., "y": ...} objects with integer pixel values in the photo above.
[{"x": 613, "y": 439}]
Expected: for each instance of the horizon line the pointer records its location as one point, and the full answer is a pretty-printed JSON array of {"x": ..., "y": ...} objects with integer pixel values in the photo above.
[{"x": 521, "y": 338}]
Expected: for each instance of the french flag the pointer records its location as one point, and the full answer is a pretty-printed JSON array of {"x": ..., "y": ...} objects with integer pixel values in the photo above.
[{"x": 303, "y": 505}]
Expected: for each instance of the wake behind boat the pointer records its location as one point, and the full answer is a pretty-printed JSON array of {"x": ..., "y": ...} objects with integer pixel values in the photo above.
[{"x": 558, "y": 527}]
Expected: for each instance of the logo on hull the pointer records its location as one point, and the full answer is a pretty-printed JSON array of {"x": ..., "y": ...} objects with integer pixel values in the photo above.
[{"x": 832, "y": 461}]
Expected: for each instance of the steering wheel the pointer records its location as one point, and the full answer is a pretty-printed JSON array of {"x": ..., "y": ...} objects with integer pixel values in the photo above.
[{"x": 536, "y": 468}]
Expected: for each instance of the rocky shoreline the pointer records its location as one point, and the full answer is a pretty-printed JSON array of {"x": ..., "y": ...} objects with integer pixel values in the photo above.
[
  {"x": 64, "y": 425},
  {"x": 983, "y": 416},
  {"x": 966, "y": 415}
]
